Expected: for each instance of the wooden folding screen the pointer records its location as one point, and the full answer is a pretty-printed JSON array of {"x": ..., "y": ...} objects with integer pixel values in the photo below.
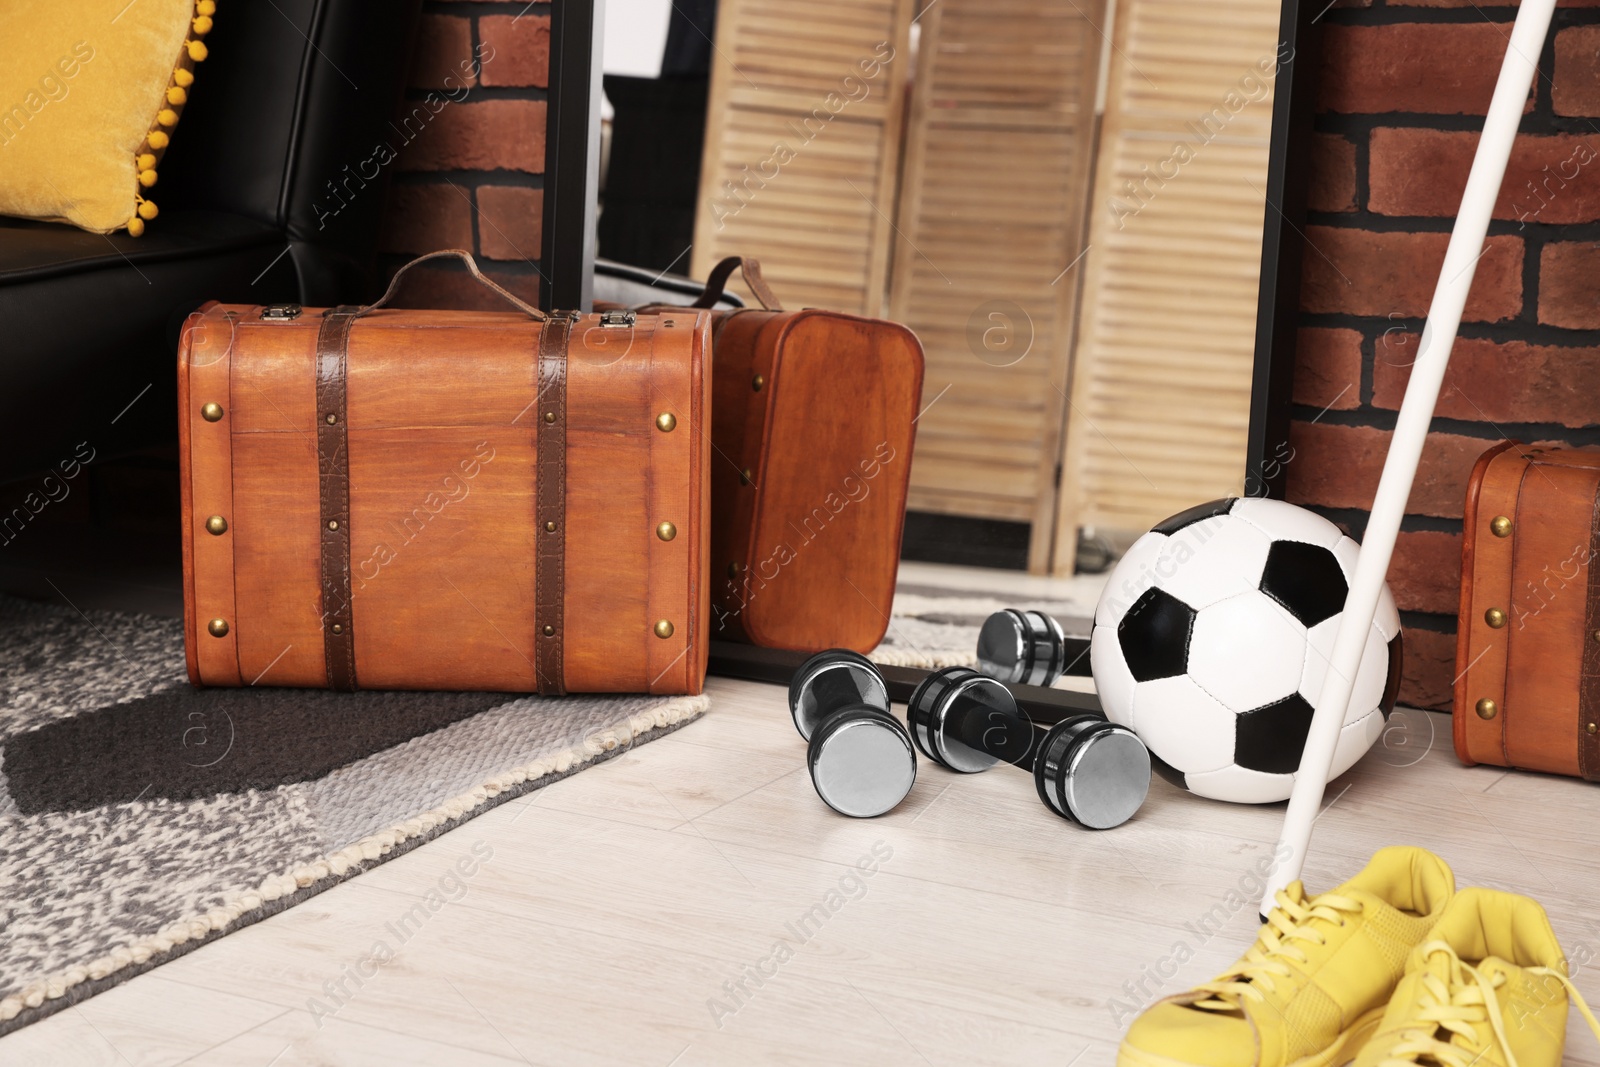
[
  {"x": 1162, "y": 375},
  {"x": 802, "y": 146},
  {"x": 990, "y": 223}
]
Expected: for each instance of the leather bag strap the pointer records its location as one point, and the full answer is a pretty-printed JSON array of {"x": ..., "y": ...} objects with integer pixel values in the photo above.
[
  {"x": 1589, "y": 685},
  {"x": 472, "y": 269},
  {"x": 550, "y": 505},
  {"x": 750, "y": 270},
  {"x": 333, "y": 470}
]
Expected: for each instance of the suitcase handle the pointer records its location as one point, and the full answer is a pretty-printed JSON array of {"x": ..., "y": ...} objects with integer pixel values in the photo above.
[
  {"x": 472, "y": 268},
  {"x": 750, "y": 271}
]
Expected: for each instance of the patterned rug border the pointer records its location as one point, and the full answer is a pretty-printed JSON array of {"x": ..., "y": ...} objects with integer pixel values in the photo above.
[{"x": 46, "y": 996}]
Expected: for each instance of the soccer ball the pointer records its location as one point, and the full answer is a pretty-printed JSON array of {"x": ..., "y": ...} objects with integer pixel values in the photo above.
[{"x": 1212, "y": 639}]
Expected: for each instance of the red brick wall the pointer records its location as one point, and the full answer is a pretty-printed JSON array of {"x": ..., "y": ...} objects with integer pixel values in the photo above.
[
  {"x": 1404, "y": 86},
  {"x": 469, "y": 171}
]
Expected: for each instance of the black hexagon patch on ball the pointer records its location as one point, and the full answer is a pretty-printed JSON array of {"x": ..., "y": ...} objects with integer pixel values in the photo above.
[
  {"x": 1306, "y": 579},
  {"x": 1154, "y": 636},
  {"x": 1271, "y": 739}
]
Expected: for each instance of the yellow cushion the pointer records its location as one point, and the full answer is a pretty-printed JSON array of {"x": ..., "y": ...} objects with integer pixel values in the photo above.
[{"x": 89, "y": 93}]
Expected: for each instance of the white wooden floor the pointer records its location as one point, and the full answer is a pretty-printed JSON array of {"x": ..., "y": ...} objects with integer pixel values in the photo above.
[{"x": 618, "y": 903}]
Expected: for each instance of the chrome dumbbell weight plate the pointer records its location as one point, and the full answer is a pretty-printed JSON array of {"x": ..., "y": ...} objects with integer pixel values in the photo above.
[
  {"x": 1091, "y": 771},
  {"x": 1022, "y": 647},
  {"x": 967, "y": 722},
  {"x": 860, "y": 757},
  {"x": 832, "y": 680},
  {"x": 861, "y": 761}
]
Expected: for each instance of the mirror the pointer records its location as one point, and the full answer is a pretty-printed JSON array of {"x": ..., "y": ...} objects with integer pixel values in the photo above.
[{"x": 1066, "y": 201}]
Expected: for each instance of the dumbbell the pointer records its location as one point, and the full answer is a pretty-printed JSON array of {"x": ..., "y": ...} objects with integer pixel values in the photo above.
[
  {"x": 860, "y": 757},
  {"x": 1022, "y": 647},
  {"x": 1087, "y": 770}
]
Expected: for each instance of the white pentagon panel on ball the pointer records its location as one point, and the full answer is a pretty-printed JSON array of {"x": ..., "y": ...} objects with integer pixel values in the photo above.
[
  {"x": 1371, "y": 679},
  {"x": 1283, "y": 521},
  {"x": 1247, "y": 651},
  {"x": 1355, "y": 739},
  {"x": 1129, "y": 578},
  {"x": 1212, "y": 560},
  {"x": 1113, "y": 682},
  {"x": 1347, "y": 550},
  {"x": 1387, "y": 618},
  {"x": 1240, "y": 785},
  {"x": 1183, "y": 725}
]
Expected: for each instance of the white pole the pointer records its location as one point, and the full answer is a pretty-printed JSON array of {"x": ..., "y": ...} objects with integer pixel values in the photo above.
[{"x": 1411, "y": 429}]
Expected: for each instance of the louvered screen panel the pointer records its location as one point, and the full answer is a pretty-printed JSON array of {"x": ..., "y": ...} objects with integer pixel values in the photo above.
[
  {"x": 991, "y": 209},
  {"x": 1162, "y": 375},
  {"x": 802, "y": 146}
]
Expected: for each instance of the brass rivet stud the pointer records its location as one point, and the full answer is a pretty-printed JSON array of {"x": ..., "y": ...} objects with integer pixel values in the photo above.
[
  {"x": 1500, "y": 526},
  {"x": 216, "y": 525},
  {"x": 332, "y": 418},
  {"x": 1495, "y": 618},
  {"x": 735, "y": 569},
  {"x": 1487, "y": 709},
  {"x": 746, "y": 476},
  {"x": 666, "y": 422},
  {"x": 758, "y": 383},
  {"x": 550, "y": 527},
  {"x": 337, "y": 628},
  {"x": 664, "y": 629},
  {"x": 666, "y": 531},
  {"x": 549, "y": 631},
  {"x": 211, "y": 412},
  {"x": 218, "y": 627},
  {"x": 333, "y": 524},
  {"x": 1591, "y": 728},
  {"x": 549, "y": 416}
]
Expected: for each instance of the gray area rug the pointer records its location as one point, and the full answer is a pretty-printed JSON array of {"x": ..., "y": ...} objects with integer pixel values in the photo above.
[{"x": 141, "y": 818}]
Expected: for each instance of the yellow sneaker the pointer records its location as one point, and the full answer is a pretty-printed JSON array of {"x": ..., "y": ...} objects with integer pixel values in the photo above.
[
  {"x": 1488, "y": 988},
  {"x": 1312, "y": 989}
]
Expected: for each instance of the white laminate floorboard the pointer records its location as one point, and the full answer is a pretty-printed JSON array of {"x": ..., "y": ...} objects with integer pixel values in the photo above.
[{"x": 619, "y": 907}]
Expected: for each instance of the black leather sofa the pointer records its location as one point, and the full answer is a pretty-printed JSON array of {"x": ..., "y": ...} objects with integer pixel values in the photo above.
[{"x": 293, "y": 92}]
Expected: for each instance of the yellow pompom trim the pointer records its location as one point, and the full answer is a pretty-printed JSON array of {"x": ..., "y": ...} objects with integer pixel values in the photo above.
[{"x": 156, "y": 141}]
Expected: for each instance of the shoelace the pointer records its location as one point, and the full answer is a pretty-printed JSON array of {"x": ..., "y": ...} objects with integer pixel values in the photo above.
[
  {"x": 1455, "y": 1007},
  {"x": 1277, "y": 948}
]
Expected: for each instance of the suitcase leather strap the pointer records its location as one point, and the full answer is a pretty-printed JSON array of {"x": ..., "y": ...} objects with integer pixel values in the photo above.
[
  {"x": 1589, "y": 684},
  {"x": 550, "y": 505},
  {"x": 333, "y": 469},
  {"x": 750, "y": 270}
]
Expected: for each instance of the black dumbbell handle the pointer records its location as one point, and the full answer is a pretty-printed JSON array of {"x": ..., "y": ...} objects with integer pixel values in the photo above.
[{"x": 1045, "y": 707}]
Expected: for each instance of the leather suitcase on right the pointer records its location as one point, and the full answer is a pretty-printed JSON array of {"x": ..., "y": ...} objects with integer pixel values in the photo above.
[
  {"x": 812, "y": 423},
  {"x": 1528, "y": 638}
]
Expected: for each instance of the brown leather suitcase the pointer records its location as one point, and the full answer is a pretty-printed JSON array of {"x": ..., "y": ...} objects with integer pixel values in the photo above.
[
  {"x": 399, "y": 499},
  {"x": 1527, "y": 693},
  {"x": 812, "y": 428}
]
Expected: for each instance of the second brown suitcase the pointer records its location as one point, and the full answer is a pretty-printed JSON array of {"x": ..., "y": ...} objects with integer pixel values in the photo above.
[
  {"x": 813, "y": 420},
  {"x": 395, "y": 499},
  {"x": 1528, "y": 639}
]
